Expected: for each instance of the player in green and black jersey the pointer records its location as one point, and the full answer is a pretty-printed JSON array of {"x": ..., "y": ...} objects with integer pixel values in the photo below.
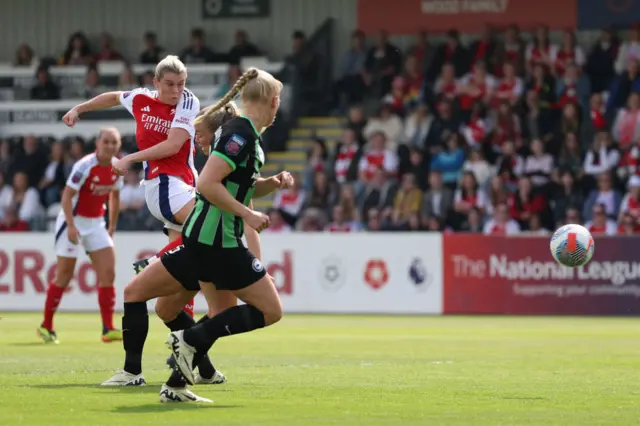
[{"x": 212, "y": 250}]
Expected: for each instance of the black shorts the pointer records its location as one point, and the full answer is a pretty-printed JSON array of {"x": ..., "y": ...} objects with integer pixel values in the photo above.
[{"x": 227, "y": 269}]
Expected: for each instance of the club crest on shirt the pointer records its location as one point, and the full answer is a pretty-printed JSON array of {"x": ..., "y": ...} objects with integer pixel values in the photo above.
[
  {"x": 125, "y": 95},
  {"x": 77, "y": 177},
  {"x": 235, "y": 144}
]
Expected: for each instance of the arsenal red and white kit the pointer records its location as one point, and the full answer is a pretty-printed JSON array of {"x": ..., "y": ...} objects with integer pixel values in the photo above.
[
  {"x": 169, "y": 181},
  {"x": 93, "y": 184}
]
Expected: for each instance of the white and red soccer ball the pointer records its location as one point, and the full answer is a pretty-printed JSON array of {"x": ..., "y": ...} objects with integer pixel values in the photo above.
[{"x": 572, "y": 246}]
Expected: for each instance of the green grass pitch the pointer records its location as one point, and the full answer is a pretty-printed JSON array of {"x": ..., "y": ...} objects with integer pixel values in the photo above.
[{"x": 336, "y": 370}]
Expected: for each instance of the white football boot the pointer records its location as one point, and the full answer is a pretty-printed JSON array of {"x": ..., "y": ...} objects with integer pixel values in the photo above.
[
  {"x": 168, "y": 394},
  {"x": 217, "y": 379},
  {"x": 183, "y": 354},
  {"x": 122, "y": 378}
]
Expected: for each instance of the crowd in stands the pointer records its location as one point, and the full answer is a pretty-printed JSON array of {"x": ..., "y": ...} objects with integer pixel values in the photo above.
[{"x": 512, "y": 133}]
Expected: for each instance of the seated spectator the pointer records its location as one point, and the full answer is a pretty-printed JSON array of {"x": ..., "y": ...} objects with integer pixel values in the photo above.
[
  {"x": 78, "y": 51},
  {"x": 566, "y": 195},
  {"x": 278, "y": 224},
  {"x": 597, "y": 112},
  {"x": 407, "y": 202},
  {"x": 25, "y": 57},
  {"x": 418, "y": 166},
  {"x": 30, "y": 160},
  {"x": 498, "y": 194},
  {"x": 479, "y": 167},
  {"x": 446, "y": 85},
  {"x": 317, "y": 160},
  {"x": 510, "y": 165},
  {"x": 54, "y": 179},
  {"x": 512, "y": 50},
  {"x": 570, "y": 122},
  {"x": 629, "y": 50},
  {"x": 623, "y": 85},
  {"x": 127, "y": 79},
  {"x": 339, "y": 222},
  {"x": 147, "y": 80},
  {"x": 45, "y": 89},
  {"x": 526, "y": 202},
  {"x": 538, "y": 165},
  {"x": 628, "y": 225},
  {"x": 501, "y": 223},
  {"x": 347, "y": 200},
  {"x": 382, "y": 63},
  {"x": 233, "y": 74},
  {"x": 413, "y": 80},
  {"x": 600, "y": 62},
  {"x": 604, "y": 195},
  {"x": 438, "y": 200},
  {"x": 477, "y": 86},
  {"x": 396, "y": 99},
  {"x": 538, "y": 122},
  {"x": 6, "y": 159},
  {"x": 198, "y": 52},
  {"x": 602, "y": 157},
  {"x": 535, "y": 227},
  {"x": 92, "y": 87},
  {"x": 417, "y": 126},
  {"x": 506, "y": 127},
  {"x": 600, "y": 223},
  {"x": 76, "y": 151},
  {"x": 630, "y": 204},
  {"x": 572, "y": 216},
  {"x": 449, "y": 161},
  {"x": 320, "y": 193},
  {"x": 510, "y": 88},
  {"x": 347, "y": 158},
  {"x": 12, "y": 222},
  {"x": 387, "y": 123},
  {"x": 454, "y": 52},
  {"x": 378, "y": 193},
  {"x": 374, "y": 221},
  {"x": 473, "y": 222},
  {"x": 357, "y": 121},
  {"x": 152, "y": 53},
  {"x": 484, "y": 49},
  {"x": 350, "y": 85},
  {"x": 22, "y": 198},
  {"x": 626, "y": 129},
  {"x": 312, "y": 220},
  {"x": 107, "y": 52},
  {"x": 478, "y": 127},
  {"x": 469, "y": 195},
  {"x": 242, "y": 48},
  {"x": 443, "y": 127},
  {"x": 569, "y": 54},
  {"x": 541, "y": 52},
  {"x": 132, "y": 202},
  {"x": 290, "y": 201},
  {"x": 376, "y": 156},
  {"x": 570, "y": 157},
  {"x": 544, "y": 85},
  {"x": 573, "y": 87}
]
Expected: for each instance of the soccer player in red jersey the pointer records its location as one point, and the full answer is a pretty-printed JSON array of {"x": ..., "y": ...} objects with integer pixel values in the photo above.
[{"x": 81, "y": 223}]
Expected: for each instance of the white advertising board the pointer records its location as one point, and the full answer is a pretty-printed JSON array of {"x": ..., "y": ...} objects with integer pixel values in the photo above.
[{"x": 315, "y": 273}]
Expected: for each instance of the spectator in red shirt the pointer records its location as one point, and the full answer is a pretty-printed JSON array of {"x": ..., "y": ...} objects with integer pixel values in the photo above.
[
  {"x": 345, "y": 163},
  {"x": 628, "y": 225},
  {"x": 378, "y": 156},
  {"x": 601, "y": 224},
  {"x": 626, "y": 129},
  {"x": 446, "y": 85},
  {"x": 568, "y": 53},
  {"x": 12, "y": 223},
  {"x": 597, "y": 111},
  {"x": 510, "y": 87},
  {"x": 526, "y": 202},
  {"x": 475, "y": 87},
  {"x": 501, "y": 223},
  {"x": 506, "y": 127},
  {"x": 107, "y": 51},
  {"x": 339, "y": 222},
  {"x": 277, "y": 225},
  {"x": 630, "y": 204},
  {"x": 541, "y": 51}
]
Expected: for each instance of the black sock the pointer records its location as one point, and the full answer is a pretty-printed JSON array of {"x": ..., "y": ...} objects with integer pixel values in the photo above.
[
  {"x": 176, "y": 380},
  {"x": 135, "y": 326},
  {"x": 181, "y": 322},
  {"x": 205, "y": 366},
  {"x": 235, "y": 320}
]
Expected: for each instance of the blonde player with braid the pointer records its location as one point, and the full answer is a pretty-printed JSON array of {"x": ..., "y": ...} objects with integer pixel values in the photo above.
[{"x": 212, "y": 250}]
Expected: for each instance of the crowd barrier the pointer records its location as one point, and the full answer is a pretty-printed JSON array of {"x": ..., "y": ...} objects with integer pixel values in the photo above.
[{"x": 371, "y": 273}]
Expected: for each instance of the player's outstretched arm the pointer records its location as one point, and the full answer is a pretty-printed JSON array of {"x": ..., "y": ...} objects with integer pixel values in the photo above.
[
  {"x": 177, "y": 137},
  {"x": 102, "y": 101}
]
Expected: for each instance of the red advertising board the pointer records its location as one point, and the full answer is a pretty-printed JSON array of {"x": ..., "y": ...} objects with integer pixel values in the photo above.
[
  {"x": 516, "y": 275},
  {"x": 411, "y": 16}
]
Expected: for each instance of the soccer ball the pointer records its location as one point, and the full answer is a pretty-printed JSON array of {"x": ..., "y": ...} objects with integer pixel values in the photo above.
[{"x": 572, "y": 245}]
